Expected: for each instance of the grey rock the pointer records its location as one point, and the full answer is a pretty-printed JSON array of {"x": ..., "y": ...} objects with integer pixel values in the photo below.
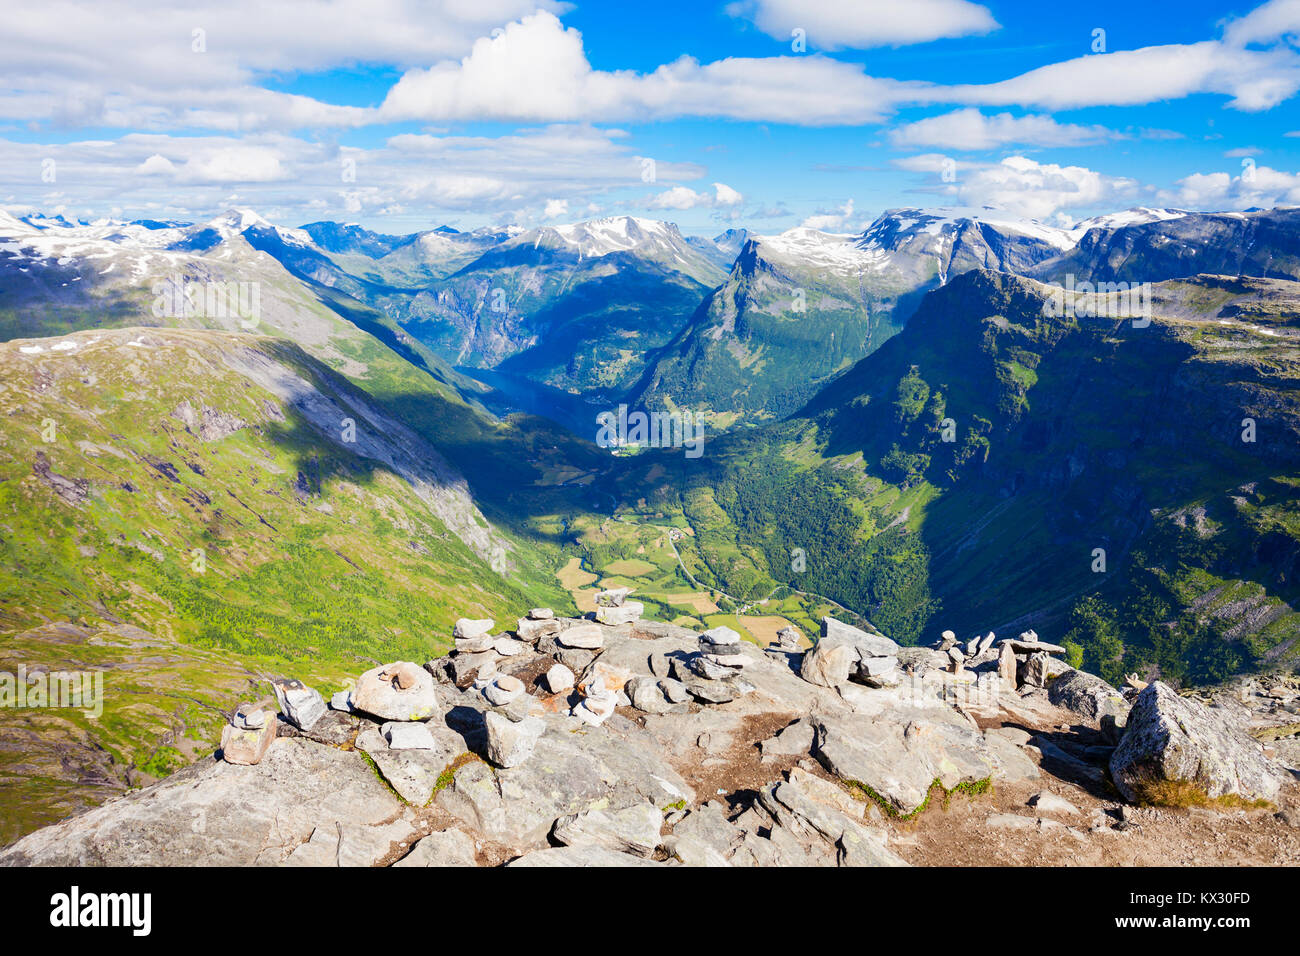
[
  {"x": 567, "y": 773},
  {"x": 302, "y": 705},
  {"x": 1047, "y": 802},
  {"x": 559, "y": 679},
  {"x": 612, "y": 597},
  {"x": 532, "y": 630},
  {"x": 342, "y": 701},
  {"x": 674, "y": 690},
  {"x": 856, "y": 845},
  {"x": 408, "y": 736},
  {"x": 794, "y": 740},
  {"x": 541, "y": 614},
  {"x": 503, "y": 689},
  {"x": 510, "y": 743},
  {"x": 1033, "y": 647},
  {"x": 1173, "y": 739},
  {"x": 873, "y": 645},
  {"x": 625, "y": 613},
  {"x": 219, "y": 814},
  {"x": 646, "y": 694},
  {"x": 509, "y": 647},
  {"x": 899, "y": 754},
  {"x": 588, "y": 637},
  {"x": 633, "y": 829},
  {"x": 348, "y": 844},
  {"x": 442, "y": 848},
  {"x": 838, "y": 652},
  {"x": 1088, "y": 696},
  {"x": 470, "y": 627},
  {"x": 570, "y": 856},
  {"x": 247, "y": 745},
  {"x": 1007, "y": 663},
  {"x": 413, "y": 774},
  {"x": 693, "y": 852},
  {"x": 475, "y": 645},
  {"x": 705, "y": 667},
  {"x": 1033, "y": 672},
  {"x": 466, "y": 667},
  {"x": 721, "y": 637}
]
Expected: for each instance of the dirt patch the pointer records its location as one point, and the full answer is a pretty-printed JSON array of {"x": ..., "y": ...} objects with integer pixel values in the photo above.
[
  {"x": 978, "y": 831},
  {"x": 733, "y": 769}
]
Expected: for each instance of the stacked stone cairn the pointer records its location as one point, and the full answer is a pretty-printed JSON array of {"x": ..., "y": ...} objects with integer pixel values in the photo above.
[
  {"x": 613, "y": 607},
  {"x": 248, "y": 736},
  {"x": 789, "y": 641},
  {"x": 712, "y": 675}
]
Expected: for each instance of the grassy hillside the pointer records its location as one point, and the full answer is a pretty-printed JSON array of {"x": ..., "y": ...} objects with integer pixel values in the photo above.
[{"x": 202, "y": 487}]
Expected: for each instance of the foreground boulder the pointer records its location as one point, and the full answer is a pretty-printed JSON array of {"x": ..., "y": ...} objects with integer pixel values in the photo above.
[{"x": 1175, "y": 750}]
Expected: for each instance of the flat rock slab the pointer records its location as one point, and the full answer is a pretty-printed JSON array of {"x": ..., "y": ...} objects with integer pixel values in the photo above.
[
  {"x": 902, "y": 751},
  {"x": 633, "y": 829},
  {"x": 442, "y": 848},
  {"x": 219, "y": 814},
  {"x": 580, "y": 856},
  {"x": 569, "y": 771},
  {"x": 413, "y": 773}
]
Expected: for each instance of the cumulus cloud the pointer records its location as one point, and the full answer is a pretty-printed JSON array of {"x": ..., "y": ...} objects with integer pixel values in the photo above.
[
  {"x": 1253, "y": 186},
  {"x": 1019, "y": 186},
  {"x": 154, "y": 64},
  {"x": 1035, "y": 190},
  {"x": 683, "y": 197},
  {"x": 836, "y": 25},
  {"x": 499, "y": 80},
  {"x": 841, "y": 219},
  {"x": 969, "y": 129}
]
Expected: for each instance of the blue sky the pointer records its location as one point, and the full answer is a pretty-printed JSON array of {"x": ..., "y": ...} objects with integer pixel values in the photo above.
[{"x": 402, "y": 114}]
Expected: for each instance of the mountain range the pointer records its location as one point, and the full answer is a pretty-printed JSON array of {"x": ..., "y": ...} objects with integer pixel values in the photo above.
[{"x": 289, "y": 448}]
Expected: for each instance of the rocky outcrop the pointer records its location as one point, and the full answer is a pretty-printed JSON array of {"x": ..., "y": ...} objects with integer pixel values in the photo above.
[
  {"x": 636, "y": 759},
  {"x": 1177, "y": 750}
]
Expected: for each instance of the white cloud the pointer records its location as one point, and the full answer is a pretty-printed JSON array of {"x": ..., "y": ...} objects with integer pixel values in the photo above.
[
  {"x": 724, "y": 195},
  {"x": 1027, "y": 189},
  {"x": 1253, "y": 186},
  {"x": 683, "y": 197},
  {"x": 842, "y": 219},
  {"x": 969, "y": 129},
  {"x": 1265, "y": 24},
  {"x": 555, "y": 209},
  {"x": 154, "y": 64},
  {"x": 836, "y": 25},
  {"x": 679, "y": 197},
  {"x": 417, "y": 177},
  {"x": 1255, "y": 79},
  {"x": 499, "y": 80}
]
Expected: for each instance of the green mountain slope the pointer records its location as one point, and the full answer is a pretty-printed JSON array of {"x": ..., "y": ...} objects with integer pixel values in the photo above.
[
  {"x": 198, "y": 510},
  {"x": 1063, "y": 434}
]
